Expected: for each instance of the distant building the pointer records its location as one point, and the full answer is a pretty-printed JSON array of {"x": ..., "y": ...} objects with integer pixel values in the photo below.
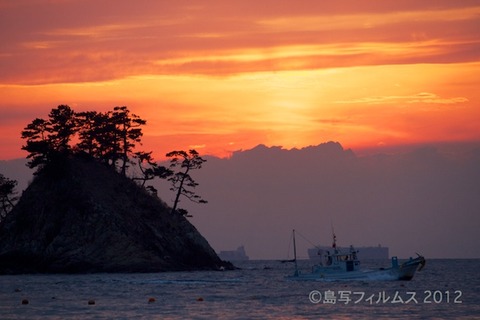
[
  {"x": 364, "y": 253},
  {"x": 234, "y": 255}
]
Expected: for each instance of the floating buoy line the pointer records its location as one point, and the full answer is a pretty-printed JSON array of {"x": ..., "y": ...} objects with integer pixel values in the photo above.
[{"x": 92, "y": 301}]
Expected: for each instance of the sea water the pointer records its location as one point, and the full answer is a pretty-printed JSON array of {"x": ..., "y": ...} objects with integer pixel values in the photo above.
[{"x": 444, "y": 289}]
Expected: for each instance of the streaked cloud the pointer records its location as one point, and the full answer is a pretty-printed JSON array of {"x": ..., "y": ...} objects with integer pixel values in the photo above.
[
  {"x": 422, "y": 97},
  {"x": 367, "y": 20},
  {"x": 119, "y": 39}
]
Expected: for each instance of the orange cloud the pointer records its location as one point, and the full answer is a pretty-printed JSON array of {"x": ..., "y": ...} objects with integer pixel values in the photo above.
[
  {"x": 234, "y": 74},
  {"x": 225, "y": 39},
  {"x": 422, "y": 97}
]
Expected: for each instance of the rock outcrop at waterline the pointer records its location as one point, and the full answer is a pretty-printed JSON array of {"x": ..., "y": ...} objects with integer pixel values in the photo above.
[{"x": 79, "y": 216}]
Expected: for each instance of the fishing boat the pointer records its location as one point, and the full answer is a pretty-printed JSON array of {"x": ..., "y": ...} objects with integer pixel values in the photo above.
[{"x": 338, "y": 265}]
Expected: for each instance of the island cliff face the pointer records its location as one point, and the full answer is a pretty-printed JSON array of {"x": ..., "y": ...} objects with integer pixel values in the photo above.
[{"x": 79, "y": 216}]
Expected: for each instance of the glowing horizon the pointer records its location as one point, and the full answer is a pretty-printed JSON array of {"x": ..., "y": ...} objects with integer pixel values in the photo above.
[{"x": 225, "y": 77}]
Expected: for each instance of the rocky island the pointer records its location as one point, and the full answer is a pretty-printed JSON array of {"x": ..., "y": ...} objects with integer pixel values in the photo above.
[
  {"x": 83, "y": 214},
  {"x": 80, "y": 216}
]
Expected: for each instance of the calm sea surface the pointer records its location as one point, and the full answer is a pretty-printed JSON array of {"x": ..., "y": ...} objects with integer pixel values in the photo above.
[{"x": 445, "y": 289}]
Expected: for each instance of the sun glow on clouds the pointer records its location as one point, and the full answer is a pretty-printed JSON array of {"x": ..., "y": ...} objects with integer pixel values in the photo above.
[
  {"x": 306, "y": 56},
  {"x": 227, "y": 76},
  {"x": 422, "y": 97},
  {"x": 288, "y": 108},
  {"x": 350, "y": 21}
]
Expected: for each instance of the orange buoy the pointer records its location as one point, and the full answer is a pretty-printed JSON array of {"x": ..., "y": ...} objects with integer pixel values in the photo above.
[
  {"x": 25, "y": 301},
  {"x": 151, "y": 300}
]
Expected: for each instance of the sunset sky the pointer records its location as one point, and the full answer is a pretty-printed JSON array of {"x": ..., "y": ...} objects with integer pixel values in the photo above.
[{"x": 220, "y": 76}]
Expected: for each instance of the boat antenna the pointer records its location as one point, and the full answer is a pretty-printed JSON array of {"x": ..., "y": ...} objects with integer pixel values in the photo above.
[{"x": 334, "y": 244}]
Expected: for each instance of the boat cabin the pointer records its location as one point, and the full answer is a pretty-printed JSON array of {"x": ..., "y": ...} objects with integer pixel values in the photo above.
[{"x": 337, "y": 261}]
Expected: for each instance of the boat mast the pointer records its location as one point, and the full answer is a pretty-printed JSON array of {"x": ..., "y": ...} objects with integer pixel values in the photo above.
[{"x": 295, "y": 254}]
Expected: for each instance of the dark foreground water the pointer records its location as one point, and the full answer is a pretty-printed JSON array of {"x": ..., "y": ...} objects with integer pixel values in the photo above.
[{"x": 445, "y": 289}]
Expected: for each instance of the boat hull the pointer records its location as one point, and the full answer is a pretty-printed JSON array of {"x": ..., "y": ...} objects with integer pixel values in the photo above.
[{"x": 404, "y": 272}]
